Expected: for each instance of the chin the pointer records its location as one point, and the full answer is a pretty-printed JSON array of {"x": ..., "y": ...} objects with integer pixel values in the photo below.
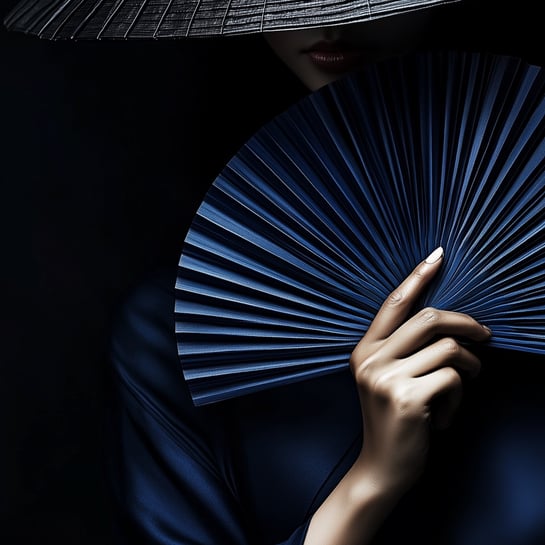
[{"x": 314, "y": 81}]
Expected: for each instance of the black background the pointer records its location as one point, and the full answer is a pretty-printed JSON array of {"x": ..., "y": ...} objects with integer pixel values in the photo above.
[{"x": 107, "y": 149}]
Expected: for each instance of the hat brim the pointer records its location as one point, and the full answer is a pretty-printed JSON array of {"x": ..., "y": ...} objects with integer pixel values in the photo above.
[{"x": 144, "y": 19}]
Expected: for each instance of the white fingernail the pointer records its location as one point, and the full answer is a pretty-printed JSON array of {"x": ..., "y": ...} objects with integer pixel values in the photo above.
[{"x": 435, "y": 256}]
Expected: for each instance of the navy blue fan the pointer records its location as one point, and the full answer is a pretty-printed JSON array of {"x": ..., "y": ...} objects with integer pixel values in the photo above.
[{"x": 330, "y": 205}]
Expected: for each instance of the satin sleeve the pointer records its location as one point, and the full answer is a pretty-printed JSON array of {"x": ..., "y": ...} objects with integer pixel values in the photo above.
[{"x": 170, "y": 481}]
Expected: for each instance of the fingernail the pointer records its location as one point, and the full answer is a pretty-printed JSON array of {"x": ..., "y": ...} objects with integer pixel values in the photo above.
[
  {"x": 487, "y": 329},
  {"x": 435, "y": 256}
]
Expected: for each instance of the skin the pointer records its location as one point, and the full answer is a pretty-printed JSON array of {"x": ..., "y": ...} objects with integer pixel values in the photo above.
[
  {"x": 409, "y": 367},
  {"x": 405, "y": 364},
  {"x": 376, "y": 40}
]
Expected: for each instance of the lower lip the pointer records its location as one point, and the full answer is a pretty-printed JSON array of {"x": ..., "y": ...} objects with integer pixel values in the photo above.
[{"x": 335, "y": 61}]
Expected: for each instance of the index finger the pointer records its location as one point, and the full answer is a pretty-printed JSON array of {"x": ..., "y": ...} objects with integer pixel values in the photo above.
[{"x": 396, "y": 307}]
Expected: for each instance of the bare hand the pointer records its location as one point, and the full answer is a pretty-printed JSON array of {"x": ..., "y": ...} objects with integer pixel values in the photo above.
[{"x": 409, "y": 374}]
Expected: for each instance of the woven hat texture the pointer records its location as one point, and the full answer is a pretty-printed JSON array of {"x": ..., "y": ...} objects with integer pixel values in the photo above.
[{"x": 123, "y": 19}]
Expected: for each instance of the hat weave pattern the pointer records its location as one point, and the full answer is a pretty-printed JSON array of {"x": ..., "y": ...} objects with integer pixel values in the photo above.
[{"x": 124, "y": 19}]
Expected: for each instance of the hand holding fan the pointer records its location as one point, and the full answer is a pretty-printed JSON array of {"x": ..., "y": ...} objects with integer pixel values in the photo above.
[{"x": 330, "y": 205}]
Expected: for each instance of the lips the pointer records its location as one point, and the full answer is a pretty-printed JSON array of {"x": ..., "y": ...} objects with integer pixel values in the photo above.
[{"x": 335, "y": 57}]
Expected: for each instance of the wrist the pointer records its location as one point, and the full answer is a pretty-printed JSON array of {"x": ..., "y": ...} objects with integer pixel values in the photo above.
[
  {"x": 354, "y": 510},
  {"x": 366, "y": 487}
]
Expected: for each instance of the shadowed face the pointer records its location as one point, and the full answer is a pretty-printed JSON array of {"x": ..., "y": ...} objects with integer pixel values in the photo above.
[{"x": 318, "y": 56}]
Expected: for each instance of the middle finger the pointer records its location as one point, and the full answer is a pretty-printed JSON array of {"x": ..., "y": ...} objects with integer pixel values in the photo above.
[{"x": 429, "y": 323}]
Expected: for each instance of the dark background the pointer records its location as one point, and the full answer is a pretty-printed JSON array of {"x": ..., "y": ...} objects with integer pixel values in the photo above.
[{"x": 107, "y": 149}]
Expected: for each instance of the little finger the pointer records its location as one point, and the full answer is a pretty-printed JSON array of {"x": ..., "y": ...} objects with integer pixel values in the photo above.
[{"x": 442, "y": 393}]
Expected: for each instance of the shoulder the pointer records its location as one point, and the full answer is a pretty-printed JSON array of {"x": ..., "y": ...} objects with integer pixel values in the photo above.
[
  {"x": 143, "y": 353},
  {"x": 143, "y": 324}
]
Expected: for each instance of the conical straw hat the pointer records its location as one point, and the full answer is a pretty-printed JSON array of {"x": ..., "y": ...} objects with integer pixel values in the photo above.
[{"x": 123, "y": 19}]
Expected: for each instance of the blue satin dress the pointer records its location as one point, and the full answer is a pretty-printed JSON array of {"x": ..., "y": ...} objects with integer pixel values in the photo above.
[{"x": 252, "y": 470}]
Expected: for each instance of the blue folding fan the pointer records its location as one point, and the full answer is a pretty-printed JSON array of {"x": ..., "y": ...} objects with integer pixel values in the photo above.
[{"x": 330, "y": 205}]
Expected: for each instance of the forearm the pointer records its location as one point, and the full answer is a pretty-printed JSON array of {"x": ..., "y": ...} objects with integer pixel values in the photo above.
[{"x": 353, "y": 512}]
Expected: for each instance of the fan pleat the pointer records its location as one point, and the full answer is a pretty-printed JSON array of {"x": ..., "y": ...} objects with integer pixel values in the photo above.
[{"x": 330, "y": 205}]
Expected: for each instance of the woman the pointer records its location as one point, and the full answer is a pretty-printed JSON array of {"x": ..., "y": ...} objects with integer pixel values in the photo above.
[
  {"x": 336, "y": 460},
  {"x": 290, "y": 465}
]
